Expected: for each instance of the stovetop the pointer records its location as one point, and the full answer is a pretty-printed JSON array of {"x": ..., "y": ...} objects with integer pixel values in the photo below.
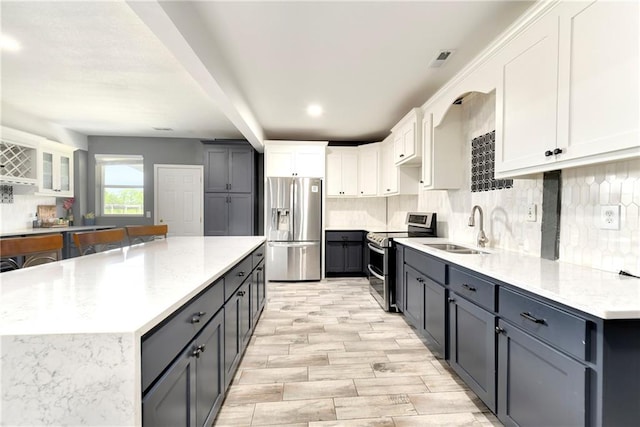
[{"x": 419, "y": 225}]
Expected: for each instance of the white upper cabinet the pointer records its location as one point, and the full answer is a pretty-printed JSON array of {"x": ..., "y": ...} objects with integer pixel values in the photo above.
[
  {"x": 442, "y": 151},
  {"x": 368, "y": 169},
  {"x": 396, "y": 180},
  {"x": 55, "y": 169},
  {"x": 569, "y": 91},
  {"x": 342, "y": 171},
  {"x": 407, "y": 139},
  {"x": 18, "y": 157},
  {"x": 295, "y": 158}
]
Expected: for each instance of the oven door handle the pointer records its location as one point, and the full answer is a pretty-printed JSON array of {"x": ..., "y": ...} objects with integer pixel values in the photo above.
[
  {"x": 370, "y": 267},
  {"x": 374, "y": 249}
]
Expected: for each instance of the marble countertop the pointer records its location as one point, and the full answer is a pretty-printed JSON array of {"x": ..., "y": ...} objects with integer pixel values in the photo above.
[
  {"x": 378, "y": 229},
  {"x": 122, "y": 290},
  {"x": 600, "y": 293},
  {"x": 50, "y": 230},
  {"x": 70, "y": 330}
]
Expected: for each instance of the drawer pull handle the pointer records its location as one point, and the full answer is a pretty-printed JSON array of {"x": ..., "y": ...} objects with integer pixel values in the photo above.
[
  {"x": 420, "y": 280},
  {"x": 533, "y": 319},
  {"x": 500, "y": 330},
  {"x": 241, "y": 293},
  {"x": 259, "y": 268},
  {"x": 469, "y": 287},
  {"x": 260, "y": 254},
  {"x": 451, "y": 299},
  {"x": 241, "y": 274},
  {"x": 196, "y": 317},
  {"x": 198, "y": 351}
]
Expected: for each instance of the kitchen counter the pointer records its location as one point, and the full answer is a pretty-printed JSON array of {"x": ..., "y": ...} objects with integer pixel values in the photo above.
[
  {"x": 70, "y": 330},
  {"x": 51, "y": 230},
  {"x": 600, "y": 293}
]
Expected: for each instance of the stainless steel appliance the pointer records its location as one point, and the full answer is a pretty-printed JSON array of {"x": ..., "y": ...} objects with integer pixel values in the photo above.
[
  {"x": 382, "y": 255},
  {"x": 294, "y": 228}
]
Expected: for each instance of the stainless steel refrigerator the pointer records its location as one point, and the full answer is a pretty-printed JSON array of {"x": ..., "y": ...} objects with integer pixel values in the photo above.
[{"x": 293, "y": 228}]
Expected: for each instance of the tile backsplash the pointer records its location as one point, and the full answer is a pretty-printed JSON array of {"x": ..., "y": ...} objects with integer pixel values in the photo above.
[{"x": 19, "y": 214}]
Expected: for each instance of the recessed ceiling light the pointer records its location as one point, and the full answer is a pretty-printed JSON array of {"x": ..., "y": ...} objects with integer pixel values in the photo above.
[
  {"x": 9, "y": 43},
  {"x": 314, "y": 110}
]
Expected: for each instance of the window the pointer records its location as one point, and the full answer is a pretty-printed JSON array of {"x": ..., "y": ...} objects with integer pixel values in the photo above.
[{"x": 121, "y": 185}]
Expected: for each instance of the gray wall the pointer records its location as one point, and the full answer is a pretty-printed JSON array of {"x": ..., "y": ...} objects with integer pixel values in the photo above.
[{"x": 175, "y": 151}]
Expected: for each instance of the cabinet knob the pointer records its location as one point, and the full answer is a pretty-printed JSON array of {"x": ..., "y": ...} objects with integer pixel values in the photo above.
[
  {"x": 548, "y": 153},
  {"x": 420, "y": 280},
  {"x": 259, "y": 268},
  {"x": 241, "y": 293},
  {"x": 451, "y": 299},
  {"x": 469, "y": 287},
  {"x": 557, "y": 151},
  {"x": 500, "y": 330},
  {"x": 241, "y": 274},
  {"x": 198, "y": 351},
  {"x": 421, "y": 182},
  {"x": 362, "y": 192},
  {"x": 388, "y": 189},
  {"x": 401, "y": 155}
]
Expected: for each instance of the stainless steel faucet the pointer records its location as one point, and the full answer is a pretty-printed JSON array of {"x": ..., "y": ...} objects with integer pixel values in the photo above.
[{"x": 482, "y": 238}]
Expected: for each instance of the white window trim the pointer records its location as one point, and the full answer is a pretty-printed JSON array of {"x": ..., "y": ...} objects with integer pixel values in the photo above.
[{"x": 114, "y": 159}]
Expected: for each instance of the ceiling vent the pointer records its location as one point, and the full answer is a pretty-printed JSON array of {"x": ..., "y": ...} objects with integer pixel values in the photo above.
[{"x": 441, "y": 58}]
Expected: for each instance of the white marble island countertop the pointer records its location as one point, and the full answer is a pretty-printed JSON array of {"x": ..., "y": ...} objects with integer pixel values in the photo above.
[
  {"x": 70, "y": 330},
  {"x": 600, "y": 293}
]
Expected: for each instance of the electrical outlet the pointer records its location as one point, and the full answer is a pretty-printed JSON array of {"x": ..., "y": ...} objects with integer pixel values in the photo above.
[
  {"x": 610, "y": 217},
  {"x": 148, "y": 214},
  {"x": 531, "y": 212}
]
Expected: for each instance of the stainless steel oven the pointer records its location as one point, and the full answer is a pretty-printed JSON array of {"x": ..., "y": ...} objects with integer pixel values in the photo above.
[{"x": 381, "y": 254}]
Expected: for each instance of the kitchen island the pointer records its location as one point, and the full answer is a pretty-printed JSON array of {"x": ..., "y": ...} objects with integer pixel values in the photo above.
[{"x": 71, "y": 331}]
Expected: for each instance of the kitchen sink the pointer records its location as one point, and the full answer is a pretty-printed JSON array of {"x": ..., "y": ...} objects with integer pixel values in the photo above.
[{"x": 453, "y": 248}]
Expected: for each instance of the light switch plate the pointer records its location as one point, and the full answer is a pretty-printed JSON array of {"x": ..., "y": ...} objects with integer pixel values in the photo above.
[
  {"x": 610, "y": 217},
  {"x": 532, "y": 212}
]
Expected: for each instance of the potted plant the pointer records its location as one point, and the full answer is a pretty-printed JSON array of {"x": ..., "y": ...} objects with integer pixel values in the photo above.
[{"x": 89, "y": 218}]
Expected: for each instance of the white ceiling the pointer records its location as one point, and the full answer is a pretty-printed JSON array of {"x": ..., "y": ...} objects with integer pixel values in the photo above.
[{"x": 213, "y": 69}]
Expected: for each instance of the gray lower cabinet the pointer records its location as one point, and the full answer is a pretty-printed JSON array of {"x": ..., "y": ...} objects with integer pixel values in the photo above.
[
  {"x": 414, "y": 297},
  {"x": 399, "y": 279},
  {"x": 472, "y": 347},
  {"x": 192, "y": 388},
  {"x": 538, "y": 385},
  {"x": 189, "y": 360},
  {"x": 228, "y": 214},
  {"x": 344, "y": 253}
]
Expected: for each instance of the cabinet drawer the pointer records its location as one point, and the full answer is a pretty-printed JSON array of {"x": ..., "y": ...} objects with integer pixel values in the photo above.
[
  {"x": 165, "y": 341},
  {"x": 473, "y": 288},
  {"x": 564, "y": 330},
  {"x": 344, "y": 236},
  {"x": 429, "y": 266},
  {"x": 238, "y": 274},
  {"x": 257, "y": 256}
]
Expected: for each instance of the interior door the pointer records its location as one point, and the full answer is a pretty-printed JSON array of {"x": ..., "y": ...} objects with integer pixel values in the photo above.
[{"x": 178, "y": 199}]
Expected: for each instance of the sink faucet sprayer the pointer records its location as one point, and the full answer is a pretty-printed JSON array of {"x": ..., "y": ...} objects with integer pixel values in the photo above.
[{"x": 482, "y": 238}]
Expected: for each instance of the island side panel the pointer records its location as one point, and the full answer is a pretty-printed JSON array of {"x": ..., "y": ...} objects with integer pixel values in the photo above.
[{"x": 70, "y": 379}]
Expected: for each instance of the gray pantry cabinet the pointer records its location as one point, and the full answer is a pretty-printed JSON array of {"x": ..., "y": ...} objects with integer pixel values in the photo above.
[
  {"x": 531, "y": 360},
  {"x": 344, "y": 253},
  {"x": 190, "y": 358},
  {"x": 229, "y": 200}
]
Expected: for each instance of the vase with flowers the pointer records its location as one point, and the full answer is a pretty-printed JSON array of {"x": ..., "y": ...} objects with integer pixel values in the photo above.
[{"x": 68, "y": 205}]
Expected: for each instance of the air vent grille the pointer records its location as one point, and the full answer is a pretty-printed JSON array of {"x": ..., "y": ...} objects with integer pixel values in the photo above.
[{"x": 442, "y": 57}]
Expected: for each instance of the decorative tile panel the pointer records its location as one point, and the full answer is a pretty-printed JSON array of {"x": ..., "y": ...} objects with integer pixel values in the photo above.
[
  {"x": 6, "y": 193},
  {"x": 483, "y": 154}
]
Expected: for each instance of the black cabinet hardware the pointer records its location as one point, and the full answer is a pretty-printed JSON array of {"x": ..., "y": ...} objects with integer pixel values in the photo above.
[
  {"x": 196, "y": 317},
  {"x": 533, "y": 319},
  {"x": 557, "y": 151},
  {"x": 548, "y": 153},
  {"x": 500, "y": 330},
  {"x": 469, "y": 287},
  {"x": 451, "y": 299}
]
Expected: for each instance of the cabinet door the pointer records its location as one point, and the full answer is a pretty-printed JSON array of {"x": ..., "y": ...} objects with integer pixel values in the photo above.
[
  {"x": 398, "y": 147},
  {"x": 257, "y": 293},
  {"x": 414, "y": 297},
  {"x": 408, "y": 140},
  {"x": 217, "y": 169},
  {"x": 216, "y": 214},
  {"x": 537, "y": 385},
  {"x": 279, "y": 160},
  {"x": 246, "y": 323},
  {"x": 170, "y": 403},
  {"x": 427, "y": 152},
  {"x": 46, "y": 180},
  {"x": 240, "y": 214},
  {"x": 66, "y": 175},
  {"x": 368, "y": 171},
  {"x": 310, "y": 161},
  {"x": 334, "y": 173},
  {"x": 435, "y": 311},
  {"x": 232, "y": 338},
  {"x": 527, "y": 101},
  {"x": 334, "y": 258},
  {"x": 472, "y": 348},
  {"x": 353, "y": 257},
  {"x": 210, "y": 385},
  {"x": 389, "y": 172},
  {"x": 240, "y": 170},
  {"x": 350, "y": 173},
  {"x": 599, "y": 85}
]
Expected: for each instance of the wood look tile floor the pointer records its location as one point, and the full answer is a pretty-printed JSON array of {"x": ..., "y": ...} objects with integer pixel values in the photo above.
[{"x": 324, "y": 354}]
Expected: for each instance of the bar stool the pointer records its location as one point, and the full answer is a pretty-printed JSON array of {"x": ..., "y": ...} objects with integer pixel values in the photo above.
[
  {"x": 146, "y": 233},
  {"x": 22, "y": 252},
  {"x": 90, "y": 242}
]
